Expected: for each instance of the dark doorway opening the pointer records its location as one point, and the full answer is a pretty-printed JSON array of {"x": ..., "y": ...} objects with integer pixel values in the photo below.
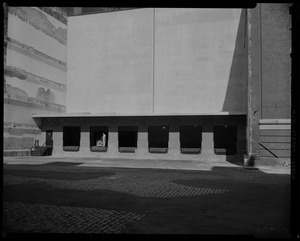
[
  {"x": 127, "y": 138},
  {"x": 49, "y": 138},
  {"x": 98, "y": 138},
  {"x": 158, "y": 139},
  {"x": 190, "y": 139},
  {"x": 225, "y": 139},
  {"x": 71, "y": 138},
  {"x": 49, "y": 142}
]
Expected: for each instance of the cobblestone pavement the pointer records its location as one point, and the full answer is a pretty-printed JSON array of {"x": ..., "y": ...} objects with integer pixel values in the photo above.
[
  {"x": 20, "y": 216},
  {"x": 61, "y": 219},
  {"x": 152, "y": 185}
]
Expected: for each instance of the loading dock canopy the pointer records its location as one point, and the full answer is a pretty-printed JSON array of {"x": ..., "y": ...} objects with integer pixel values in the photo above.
[{"x": 86, "y": 114}]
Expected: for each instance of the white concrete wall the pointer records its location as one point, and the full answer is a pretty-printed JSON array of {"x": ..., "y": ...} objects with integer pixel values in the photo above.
[
  {"x": 196, "y": 55},
  {"x": 110, "y": 62},
  {"x": 196, "y": 60}
]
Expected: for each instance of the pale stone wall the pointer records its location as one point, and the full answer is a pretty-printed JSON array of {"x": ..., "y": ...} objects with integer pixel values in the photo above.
[
  {"x": 157, "y": 61},
  {"x": 110, "y": 62}
]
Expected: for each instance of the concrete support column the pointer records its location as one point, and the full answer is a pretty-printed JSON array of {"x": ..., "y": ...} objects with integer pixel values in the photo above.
[
  {"x": 142, "y": 144},
  {"x": 254, "y": 82},
  {"x": 112, "y": 141},
  {"x": 207, "y": 140},
  {"x": 57, "y": 143},
  {"x": 174, "y": 142},
  {"x": 84, "y": 140}
]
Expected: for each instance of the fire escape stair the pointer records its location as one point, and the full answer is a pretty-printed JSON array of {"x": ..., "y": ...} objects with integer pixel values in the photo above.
[{"x": 41, "y": 151}]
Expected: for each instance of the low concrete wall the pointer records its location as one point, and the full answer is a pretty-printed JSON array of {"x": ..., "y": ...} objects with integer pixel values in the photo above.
[
  {"x": 275, "y": 141},
  {"x": 207, "y": 123},
  {"x": 16, "y": 153}
]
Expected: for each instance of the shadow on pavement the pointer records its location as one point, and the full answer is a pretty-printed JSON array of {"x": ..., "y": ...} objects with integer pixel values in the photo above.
[
  {"x": 62, "y": 164},
  {"x": 256, "y": 203}
]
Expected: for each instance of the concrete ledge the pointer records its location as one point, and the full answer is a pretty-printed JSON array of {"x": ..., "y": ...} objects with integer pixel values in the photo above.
[
  {"x": 190, "y": 150},
  {"x": 98, "y": 148},
  {"x": 275, "y": 121},
  {"x": 223, "y": 151},
  {"x": 274, "y": 127},
  {"x": 71, "y": 148},
  {"x": 266, "y": 161},
  {"x": 127, "y": 149},
  {"x": 113, "y": 114},
  {"x": 158, "y": 150},
  {"x": 269, "y": 161}
]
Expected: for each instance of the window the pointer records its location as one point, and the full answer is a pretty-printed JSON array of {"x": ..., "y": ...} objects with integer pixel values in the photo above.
[
  {"x": 225, "y": 139},
  {"x": 127, "y": 138},
  {"x": 71, "y": 138},
  {"x": 158, "y": 138},
  {"x": 98, "y": 138},
  {"x": 190, "y": 139}
]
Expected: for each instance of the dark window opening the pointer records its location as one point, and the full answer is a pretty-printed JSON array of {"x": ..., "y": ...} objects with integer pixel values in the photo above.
[
  {"x": 98, "y": 138},
  {"x": 225, "y": 139},
  {"x": 158, "y": 138},
  {"x": 127, "y": 138},
  {"x": 71, "y": 138},
  {"x": 190, "y": 139}
]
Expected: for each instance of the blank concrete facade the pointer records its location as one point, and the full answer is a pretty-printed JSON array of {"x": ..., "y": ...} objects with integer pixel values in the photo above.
[{"x": 157, "y": 61}]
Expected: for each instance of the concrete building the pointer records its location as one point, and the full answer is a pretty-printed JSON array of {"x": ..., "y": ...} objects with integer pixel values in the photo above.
[
  {"x": 35, "y": 72},
  {"x": 192, "y": 84}
]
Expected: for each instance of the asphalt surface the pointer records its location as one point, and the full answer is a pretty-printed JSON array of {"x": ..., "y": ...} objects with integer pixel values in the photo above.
[{"x": 70, "y": 196}]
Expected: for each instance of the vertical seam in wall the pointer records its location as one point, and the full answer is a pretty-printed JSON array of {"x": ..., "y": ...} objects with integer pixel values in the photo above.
[
  {"x": 260, "y": 63},
  {"x": 153, "y": 59},
  {"x": 245, "y": 72},
  {"x": 246, "y": 78},
  {"x": 249, "y": 61}
]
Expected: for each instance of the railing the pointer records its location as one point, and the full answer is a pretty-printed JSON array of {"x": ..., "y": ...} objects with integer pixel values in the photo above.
[
  {"x": 34, "y": 146},
  {"x": 268, "y": 150}
]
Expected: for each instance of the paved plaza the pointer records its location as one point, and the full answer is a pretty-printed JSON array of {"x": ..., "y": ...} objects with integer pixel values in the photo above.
[{"x": 65, "y": 196}]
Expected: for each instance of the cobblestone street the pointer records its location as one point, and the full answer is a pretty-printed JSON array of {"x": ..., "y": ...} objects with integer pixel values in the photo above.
[
  {"x": 62, "y": 219},
  {"x": 61, "y": 198}
]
